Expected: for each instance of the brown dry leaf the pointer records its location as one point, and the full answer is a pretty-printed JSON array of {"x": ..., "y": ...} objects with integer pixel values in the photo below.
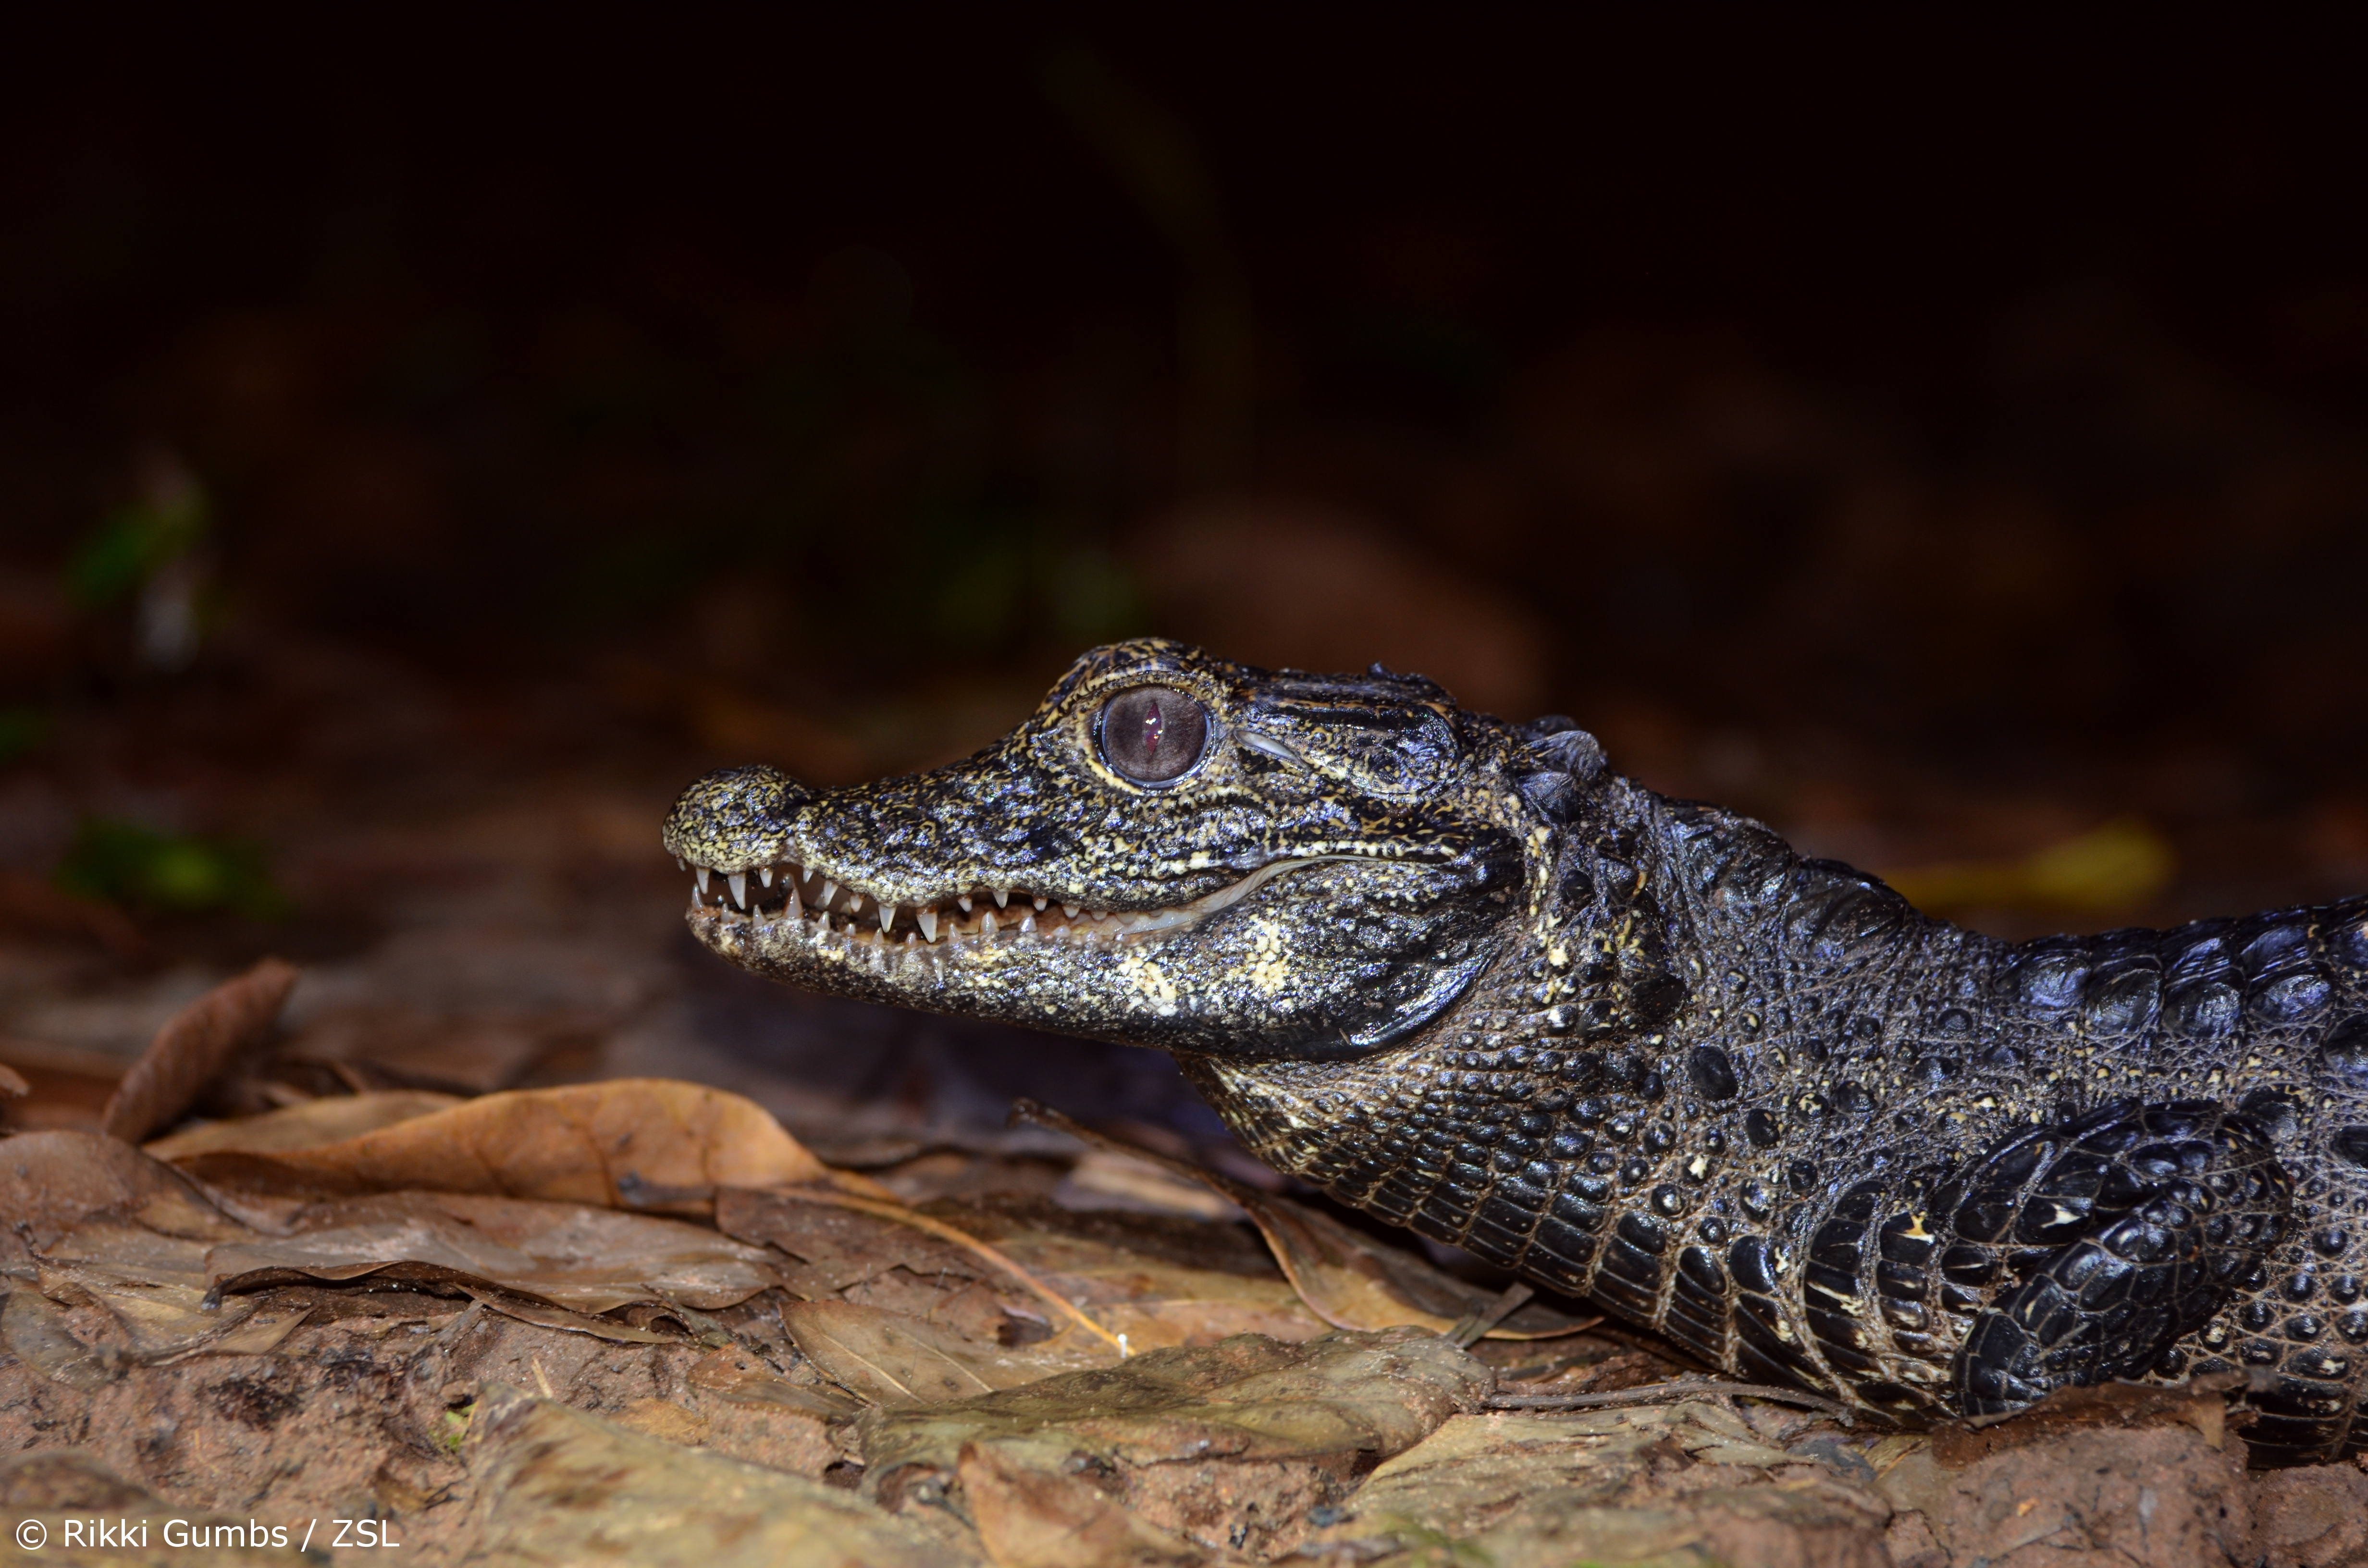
[
  {"x": 194, "y": 1047},
  {"x": 891, "y": 1360},
  {"x": 1346, "y": 1277},
  {"x": 732, "y": 1375},
  {"x": 52, "y": 1183},
  {"x": 570, "y": 1256},
  {"x": 1104, "y": 1180},
  {"x": 838, "y": 1247},
  {"x": 565, "y": 1322},
  {"x": 162, "y": 1318},
  {"x": 35, "y": 1332},
  {"x": 127, "y": 1249},
  {"x": 1530, "y": 1490},
  {"x": 539, "y": 1465},
  {"x": 1155, "y": 1281},
  {"x": 331, "y": 1120},
  {"x": 1246, "y": 1398},
  {"x": 1030, "y": 1516},
  {"x": 645, "y": 1143},
  {"x": 66, "y": 1086},
  {"x": 882, "y": 1205},
  {"x": 1151, "y": 1281},
  {"x": 263, "y": 1331},
  {"x": 166, "y": 1322}
]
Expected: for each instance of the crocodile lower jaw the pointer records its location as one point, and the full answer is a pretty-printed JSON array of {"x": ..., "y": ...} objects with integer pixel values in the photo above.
[{"x": 788, "y": 899}]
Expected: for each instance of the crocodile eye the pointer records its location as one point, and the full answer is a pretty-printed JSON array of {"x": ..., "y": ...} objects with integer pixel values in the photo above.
[{"x": 1153, "y": 735}]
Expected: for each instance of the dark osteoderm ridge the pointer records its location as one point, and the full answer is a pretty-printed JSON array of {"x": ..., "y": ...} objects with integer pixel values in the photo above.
[{"x": 1455, "y": 972}]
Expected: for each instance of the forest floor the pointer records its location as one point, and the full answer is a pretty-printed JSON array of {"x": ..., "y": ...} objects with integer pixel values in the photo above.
[{"x": 494, "y": 1218}]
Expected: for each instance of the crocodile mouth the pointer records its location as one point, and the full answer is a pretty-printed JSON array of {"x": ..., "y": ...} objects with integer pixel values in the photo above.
[{"x": 794, "y": 900}]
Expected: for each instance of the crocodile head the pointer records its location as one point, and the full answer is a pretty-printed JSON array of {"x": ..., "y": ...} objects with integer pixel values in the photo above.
[{"x": 1173, "y": 851}]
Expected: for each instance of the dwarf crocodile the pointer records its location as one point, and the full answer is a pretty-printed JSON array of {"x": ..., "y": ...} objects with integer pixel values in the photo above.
[{"x": 1455, "y": 972}]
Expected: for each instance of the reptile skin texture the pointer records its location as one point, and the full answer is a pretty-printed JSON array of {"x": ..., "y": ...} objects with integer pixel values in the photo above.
[{"x": 1455, "y": 972}]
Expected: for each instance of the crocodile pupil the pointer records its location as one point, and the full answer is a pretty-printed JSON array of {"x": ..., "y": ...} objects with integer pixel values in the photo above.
[{"x": 1153, "y": 733}]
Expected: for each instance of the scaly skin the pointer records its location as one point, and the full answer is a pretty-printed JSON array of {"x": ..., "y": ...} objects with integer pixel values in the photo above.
[{"x": 1454, "y": 971}]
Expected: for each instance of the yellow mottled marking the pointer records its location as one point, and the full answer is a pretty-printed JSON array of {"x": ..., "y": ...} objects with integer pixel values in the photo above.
[
  {"x": 1270, "y": 969},
  {"x": 1151, "y": 988}
]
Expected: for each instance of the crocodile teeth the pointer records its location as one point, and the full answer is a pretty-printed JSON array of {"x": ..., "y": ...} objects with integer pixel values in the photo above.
[{"x": 1032, "y": 917}]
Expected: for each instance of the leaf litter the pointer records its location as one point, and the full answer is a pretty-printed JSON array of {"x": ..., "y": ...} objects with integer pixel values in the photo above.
[{"x": 635, "y": 1321}]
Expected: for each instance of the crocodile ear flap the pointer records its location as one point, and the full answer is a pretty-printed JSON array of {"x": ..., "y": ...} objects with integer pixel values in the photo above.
[
  {"x": 1567, "y": 759},
  {"x": 1566, "y": 748},
  {"x": 1555, "y": 795}
]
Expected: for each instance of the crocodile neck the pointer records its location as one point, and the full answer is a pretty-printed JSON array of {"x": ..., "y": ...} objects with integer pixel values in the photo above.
[{"x": 1680, "y": 968}]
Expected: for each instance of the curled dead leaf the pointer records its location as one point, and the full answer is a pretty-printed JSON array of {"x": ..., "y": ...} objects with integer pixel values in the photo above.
[
  {"x": 576, "y": 1257},
  {"x": 330, "y": 1119},
  {"x": 645, "y": 1143},
  {"x": 194, "y": 1047}
]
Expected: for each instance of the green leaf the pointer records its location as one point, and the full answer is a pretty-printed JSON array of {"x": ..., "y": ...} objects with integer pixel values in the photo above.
[{"x": 127, "y": 864}]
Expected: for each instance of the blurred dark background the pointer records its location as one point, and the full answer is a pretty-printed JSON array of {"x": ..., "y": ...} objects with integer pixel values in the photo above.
[{"x": 425, "y": 445}]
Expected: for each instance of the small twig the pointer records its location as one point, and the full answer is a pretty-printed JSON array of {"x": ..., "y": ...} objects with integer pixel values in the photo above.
[
  {"x": 1480, "y": 1320},
  {"x": 1656, "y": 1393},
  {"x": 901, "y": 1215},
  {"x": 350, "y": 1077}
]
